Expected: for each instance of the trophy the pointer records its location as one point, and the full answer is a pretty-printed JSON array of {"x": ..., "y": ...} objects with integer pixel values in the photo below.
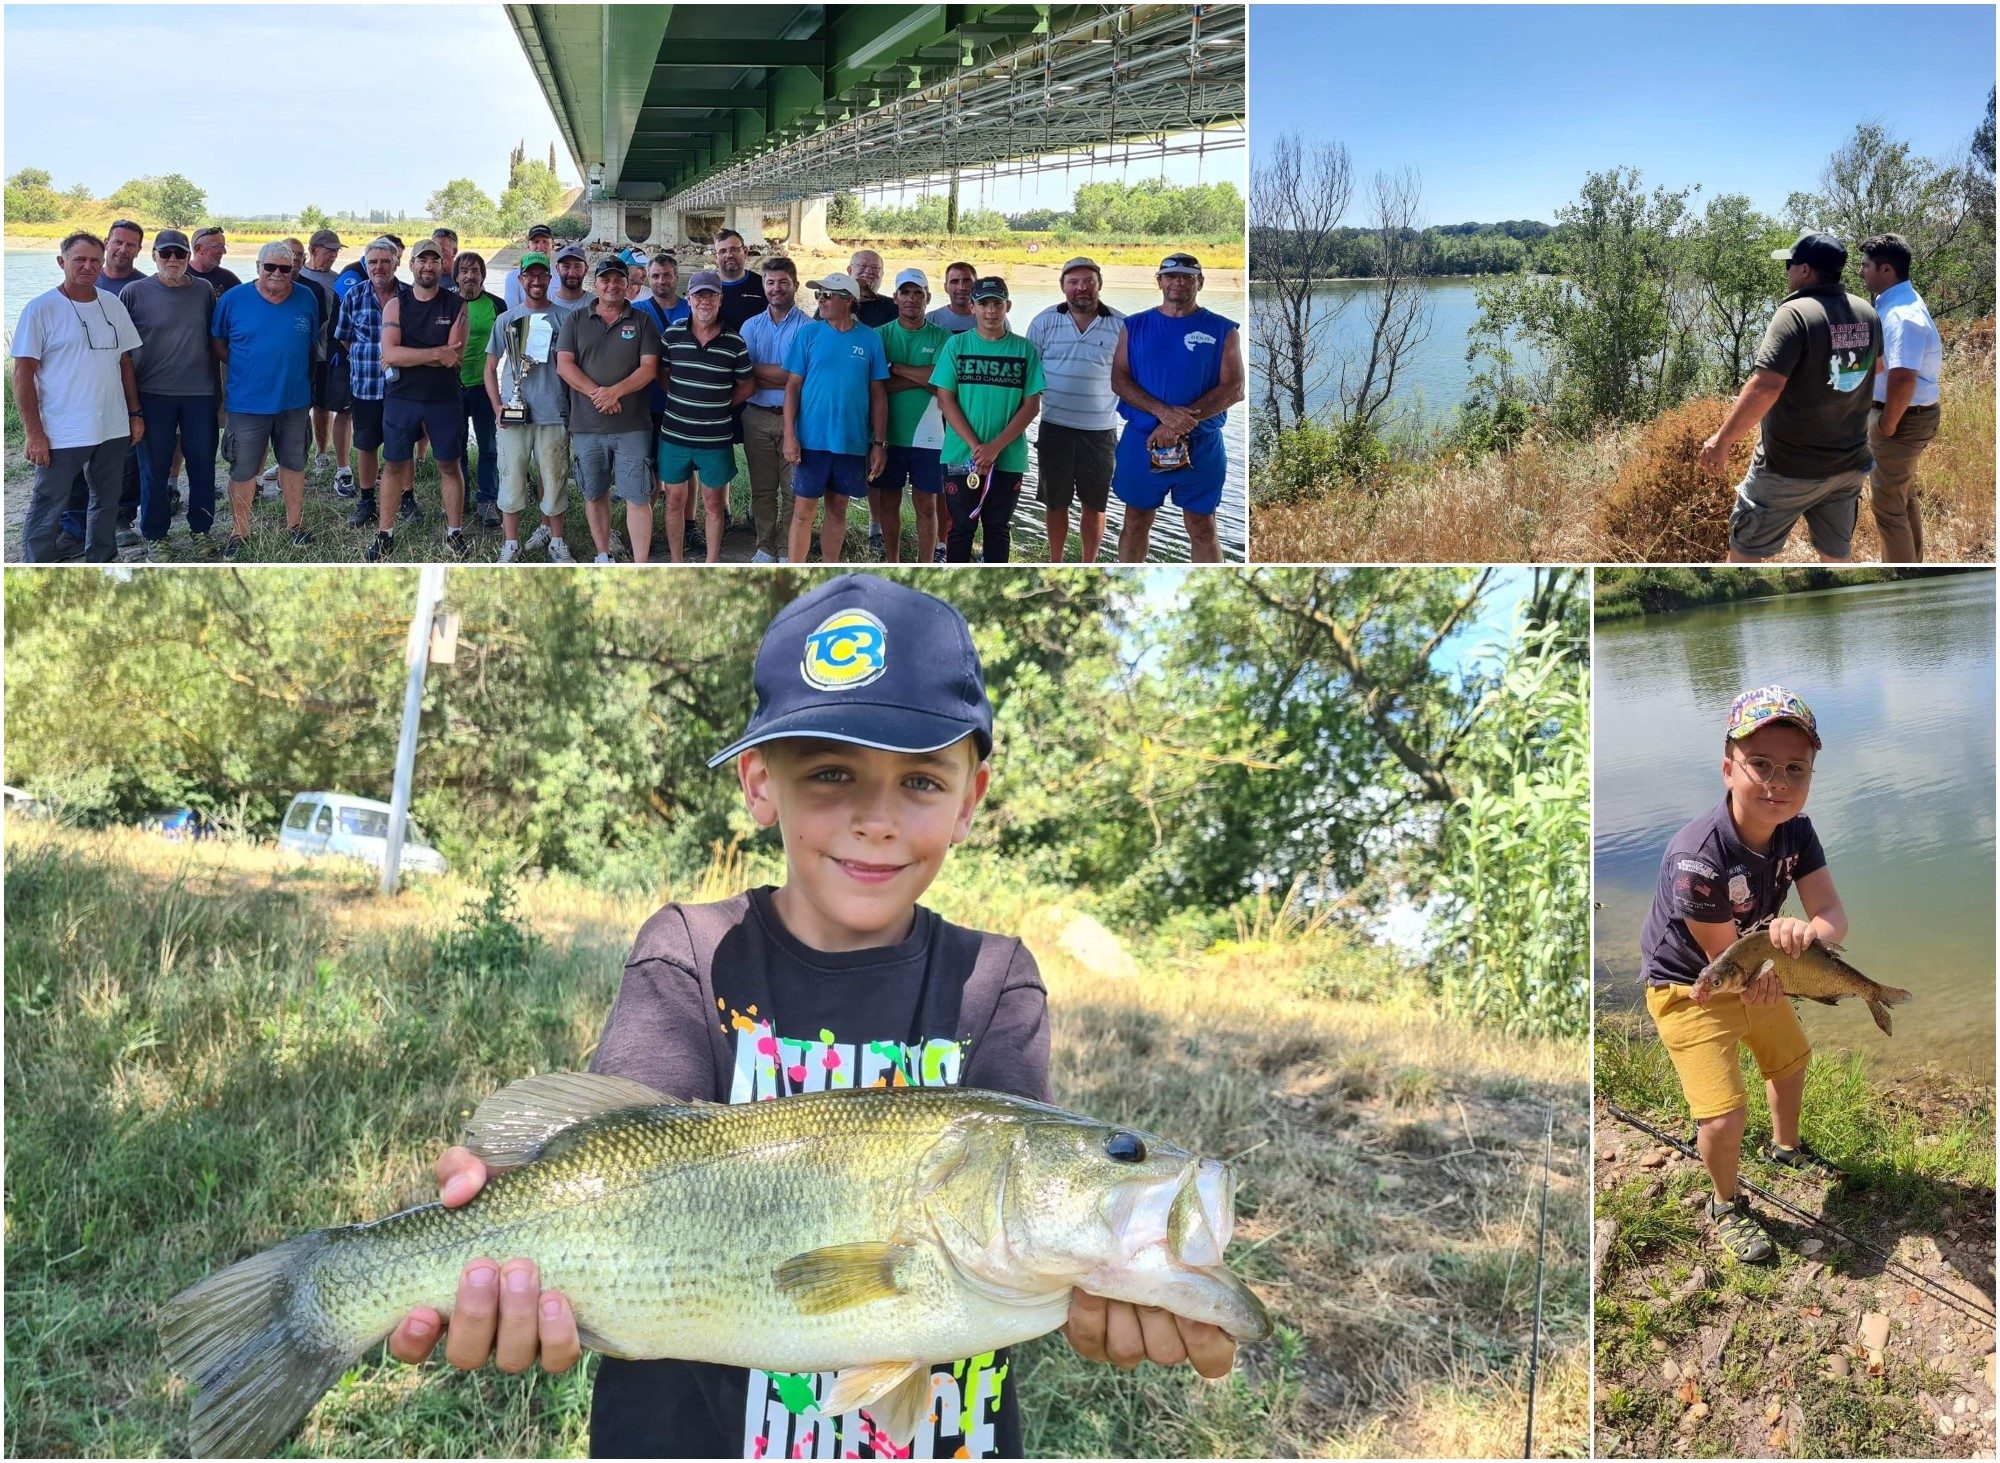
[{"x": 527, "y": 347}]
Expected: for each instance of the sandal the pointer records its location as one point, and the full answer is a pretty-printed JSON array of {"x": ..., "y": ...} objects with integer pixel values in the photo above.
[
  {"x": 1740, "y": 1232},
  {"x": 1805, "y": 1158}
]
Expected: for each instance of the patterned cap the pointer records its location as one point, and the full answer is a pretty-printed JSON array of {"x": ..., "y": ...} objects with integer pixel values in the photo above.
[{"x": 1765, "y": 706}]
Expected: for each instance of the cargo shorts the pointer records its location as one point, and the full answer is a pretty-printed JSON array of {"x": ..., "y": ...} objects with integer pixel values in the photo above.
[
  {"x": 1702, "y": 1042},
  {"x": 1769, "y": 503}
]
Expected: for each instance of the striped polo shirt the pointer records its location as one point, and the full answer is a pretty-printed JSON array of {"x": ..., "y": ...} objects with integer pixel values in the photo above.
[
  {"x": 1077, "y": 364},
  {"x": 701, "y": 383}
]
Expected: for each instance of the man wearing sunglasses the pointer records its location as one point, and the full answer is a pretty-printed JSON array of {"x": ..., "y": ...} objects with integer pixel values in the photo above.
[
  {"x": 172, "y": 312},
  {"x": 263, "y": 335},
  {"x": 78, "y": 396}
]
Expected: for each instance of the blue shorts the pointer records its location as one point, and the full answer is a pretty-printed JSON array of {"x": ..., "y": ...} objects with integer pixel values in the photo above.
[
  {"x": 712, "y": 467},
  {"x": 442, "y": 421},
  {"x": 1196, "y": 488},
  {"x": 921, "y": 467},
  {"x": 820, "y": 473}
]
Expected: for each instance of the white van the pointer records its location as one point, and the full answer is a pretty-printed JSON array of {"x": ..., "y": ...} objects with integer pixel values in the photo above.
[{"x": 319, "y": 823}]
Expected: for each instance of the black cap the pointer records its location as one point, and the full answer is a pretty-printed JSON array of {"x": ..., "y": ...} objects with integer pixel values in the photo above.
[
  {"x": 870, "y": 663},
  {"x": 1823, "y": 252},
  {"x": 991, "y": 287},
  {"x": 610, "y": 264}
]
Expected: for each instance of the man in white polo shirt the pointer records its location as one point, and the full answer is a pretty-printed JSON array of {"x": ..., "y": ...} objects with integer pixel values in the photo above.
[
  {"x": 1906, "y": 412},
  {"x": 1078, "y": 439}
]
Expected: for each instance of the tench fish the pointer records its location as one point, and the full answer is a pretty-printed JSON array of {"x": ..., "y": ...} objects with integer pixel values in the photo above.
[
  {"x": 1818, "y": 975},
  {"x": 871, "y": 1232}
]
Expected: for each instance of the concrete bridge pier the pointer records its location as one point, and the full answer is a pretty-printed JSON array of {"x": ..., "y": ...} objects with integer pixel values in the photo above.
[
  {"x": 748, "y": 220},
  {"x": 808, "y": 224}
]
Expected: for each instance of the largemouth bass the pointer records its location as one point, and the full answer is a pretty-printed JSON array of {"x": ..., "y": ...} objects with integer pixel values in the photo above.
[
  {"x": 871, "y": 1232},
  {"x": 1818, "y": 975}
]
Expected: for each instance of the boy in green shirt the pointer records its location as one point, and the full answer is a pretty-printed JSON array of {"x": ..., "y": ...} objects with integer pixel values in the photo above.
[
  {"x": 916, "y": 427},
  {"x": 989, "y": 386}
]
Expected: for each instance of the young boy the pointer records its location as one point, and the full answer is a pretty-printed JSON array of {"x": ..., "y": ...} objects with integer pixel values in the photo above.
[
  {"x": 1724, "y": 873},
  {"x": 868, "y": 752},
  {"x": 989, "y": 387}
]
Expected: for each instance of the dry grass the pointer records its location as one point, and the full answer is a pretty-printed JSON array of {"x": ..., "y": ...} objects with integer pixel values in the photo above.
[{"x": 1630, "y": 495}]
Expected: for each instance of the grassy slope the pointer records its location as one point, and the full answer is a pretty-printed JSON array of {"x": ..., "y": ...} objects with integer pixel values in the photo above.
[
  {"x": 211, "y": 1048},
  {"x": 1544, "y": 502}
]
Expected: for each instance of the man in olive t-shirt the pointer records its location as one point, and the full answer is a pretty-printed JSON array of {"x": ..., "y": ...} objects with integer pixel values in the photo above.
[{"x": 1811, "y": 389}]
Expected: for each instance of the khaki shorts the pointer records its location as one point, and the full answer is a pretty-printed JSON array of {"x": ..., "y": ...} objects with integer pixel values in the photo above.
[
  {"x": 546, "y": 444},
  {"x": 1702, "y": 1042},
  {"x": 1769, "y": 503}
]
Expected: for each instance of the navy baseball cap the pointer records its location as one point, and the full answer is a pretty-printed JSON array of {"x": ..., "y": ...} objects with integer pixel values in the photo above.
[{"x": 870, "y": 663}]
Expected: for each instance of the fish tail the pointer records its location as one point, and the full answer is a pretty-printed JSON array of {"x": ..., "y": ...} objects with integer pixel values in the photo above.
[
  {"x": 1890, "y": 995},
  {"x": 254, "y": 1342}
]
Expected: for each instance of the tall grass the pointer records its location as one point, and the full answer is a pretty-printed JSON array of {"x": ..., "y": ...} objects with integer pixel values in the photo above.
[{"x": 211, "y": 1047}]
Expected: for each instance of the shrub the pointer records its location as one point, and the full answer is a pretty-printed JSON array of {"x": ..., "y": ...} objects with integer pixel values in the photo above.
[
  {"x": 1311, "y": 460},
  {"x": 1663, "y": 506},
  {"x": 569, "y": 226}
]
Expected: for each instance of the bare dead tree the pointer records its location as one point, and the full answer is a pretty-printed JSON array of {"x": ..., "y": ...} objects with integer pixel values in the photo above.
[
  {"x": 1399, "y": 315},
  {"x": 1297, "y": 200}
]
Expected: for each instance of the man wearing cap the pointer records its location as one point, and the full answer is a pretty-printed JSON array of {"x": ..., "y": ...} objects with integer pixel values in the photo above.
[
  {"x": 359, "y": 330},
  {"x": 263, "y": 336},
  {"x": 172, "y": 312},
  {"x": 955, "y": 314},
  {"x": 209, "y": 246},
  {"x": 542, "y": 241},
  {"x": 836, "y": 412},
  {"x": 742, "y": 288},
  {"x": 767, "y": 335},
  {"x": 1177, "y": 370},
  {"x": 1905, "y": 415},
  {"x": 1077, "y": 443},
  {"x": 333, "y": 399},
  {"x": 706, "y": 370},
  {"x": 571, "y": 265},
  {"x": 1811, "y": 387},
  {"x": 424, "y": 330},
  {"x": 447, "y": 242},
  {"x": 609, "y": 354},
  {"x": 77, "y": 391},
  {"x": 916, "y": 426},
  {"x": 989, "y": 384},
  {"x": 521, "y": 365}
]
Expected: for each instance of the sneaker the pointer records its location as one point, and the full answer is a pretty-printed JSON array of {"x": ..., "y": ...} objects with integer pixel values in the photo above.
[
  {"x": 510, "y": 552},
  {"x": 761, "y": 557},
  {"x": 363, "y": 515},
  {"x": 489, "y": 514},
  {"x": 234, "y": 547},
  {"x": 408, "y": 510},
  {"x": 157, "y": 551},
  {"x": 68, "y": 546},
  {"x": 130, "y": 538},
  {"x": 539, "y": 540},
  {"x": 604, "y": 559},
  {"x": 559, "y": 553},
  {"x": 456, "y": 543},
  {"x": 383, "y": 546},
  {"x": 299, "y": 538},
  {"x": 937, "y": 554},
  {"x": 875, "y": 541},
  {"x": 322, "y": 462},
  {"x": 694, "y": 541},
  {"x": 343, "y": 483}
]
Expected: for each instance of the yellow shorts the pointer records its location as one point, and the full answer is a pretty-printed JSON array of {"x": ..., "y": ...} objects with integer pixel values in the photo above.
[{"x": 1702, "y": 1042}]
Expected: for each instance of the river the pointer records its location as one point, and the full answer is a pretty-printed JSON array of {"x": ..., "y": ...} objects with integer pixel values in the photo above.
[
  {"x": 29, "y": 272},
  {"x": 1901, "y": 678}
]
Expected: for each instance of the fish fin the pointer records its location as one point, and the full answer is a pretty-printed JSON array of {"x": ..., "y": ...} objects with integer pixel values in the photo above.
[
  {"x": 839, "y": 1276},
  {"x": 589, "y": 1340},
  {"x": 1825, "y": 1000},
  {"x": 1890, "y": 995},
  {"x": 512, "y": 1123},
  {"x": 1881, "y": 1014},
  {"x": 248, "y": 1341},
  {"x": 896, "y": 1394}
]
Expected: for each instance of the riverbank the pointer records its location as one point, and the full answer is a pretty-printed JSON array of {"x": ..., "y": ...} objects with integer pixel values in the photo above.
[
  {"x": 1826, "y": 1352},
  {"x": 1628, "y": 594},
  {"x": 1630, "y": 494}
]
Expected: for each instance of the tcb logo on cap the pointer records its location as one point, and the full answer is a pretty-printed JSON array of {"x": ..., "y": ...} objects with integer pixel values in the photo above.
[{"x": 848, "y": 650}]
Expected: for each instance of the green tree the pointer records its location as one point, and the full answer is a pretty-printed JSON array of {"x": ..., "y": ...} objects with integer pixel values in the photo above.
[
  {"x": 32, "y": 178},
  {"x": 463, "y": 205},
  {"x": 843, "y": 211},
  {"x": 32, "y": 198},
  {"x": 530, "y": 197},
  {"x": 182, "y": 204},
  {"x": 1740, "y": 285},
  {"x": 313, "y": 218}
]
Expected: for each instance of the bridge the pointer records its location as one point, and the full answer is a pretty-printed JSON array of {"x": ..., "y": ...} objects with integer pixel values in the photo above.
[{"x": 684, "y": 118}]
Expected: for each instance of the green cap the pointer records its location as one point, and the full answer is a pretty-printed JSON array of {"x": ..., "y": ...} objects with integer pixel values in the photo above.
[{"x": 532, "y": 258}]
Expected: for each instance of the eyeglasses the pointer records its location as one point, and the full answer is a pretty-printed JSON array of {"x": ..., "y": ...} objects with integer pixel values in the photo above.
[
  {"x": 90, "y": 336},
  {"x": 276, "y": 268},
  {"x": 1785, "y": 774}
]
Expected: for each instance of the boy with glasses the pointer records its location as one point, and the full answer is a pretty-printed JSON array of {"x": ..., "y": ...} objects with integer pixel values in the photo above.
[{"x": 1724, "y": 874}]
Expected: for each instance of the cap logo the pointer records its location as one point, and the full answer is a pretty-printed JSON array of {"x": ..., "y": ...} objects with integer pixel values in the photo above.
[{"x": 848, "y": 650}]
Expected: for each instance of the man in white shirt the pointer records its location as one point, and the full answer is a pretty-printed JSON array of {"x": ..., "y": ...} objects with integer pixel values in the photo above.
[
  {"x": 78, "y": 396},
  {"x": 1906, "y": 412},
  {"x": 1078, "y": 438}
]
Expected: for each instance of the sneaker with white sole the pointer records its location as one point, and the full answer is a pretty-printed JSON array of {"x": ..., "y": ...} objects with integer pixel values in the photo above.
[
  {"x": 510, "y": 552},
  {"x": 537, "y": 540},
  {"x": 761, "y": 557},
  {"x": 267, "y": 483},
  {"x": 604, "y": 559},
  {"x": 343, "y": 483},
  {"x": 559, "y": 553}
]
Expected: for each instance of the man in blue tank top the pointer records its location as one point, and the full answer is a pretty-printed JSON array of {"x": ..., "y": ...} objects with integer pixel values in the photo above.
[{"x": 1177, "y": 371}]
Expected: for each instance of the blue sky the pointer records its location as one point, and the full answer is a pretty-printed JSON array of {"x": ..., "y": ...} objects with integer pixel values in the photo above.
[
  {"x": 318, "y": 143},
  {"x": 1503, "y": 109}
]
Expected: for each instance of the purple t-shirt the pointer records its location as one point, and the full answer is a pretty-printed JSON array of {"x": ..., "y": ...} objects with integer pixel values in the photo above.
[
  {"x": 720, "y": 1002},
  {"x": 1708, "y": 876}
]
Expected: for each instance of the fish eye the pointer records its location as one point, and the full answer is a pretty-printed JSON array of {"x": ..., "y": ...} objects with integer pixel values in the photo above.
[{"x": 1122, "y": 1147}]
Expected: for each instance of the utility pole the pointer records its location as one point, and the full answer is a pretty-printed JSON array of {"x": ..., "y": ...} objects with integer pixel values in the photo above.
[{"x": 430, "y": 589}]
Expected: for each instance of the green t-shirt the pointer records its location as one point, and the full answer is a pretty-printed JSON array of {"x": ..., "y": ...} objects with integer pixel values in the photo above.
[
  {"x": 991, "y": 378},
  {"x": 480, "y": 315},
  {"x": 907, "y": 409}
]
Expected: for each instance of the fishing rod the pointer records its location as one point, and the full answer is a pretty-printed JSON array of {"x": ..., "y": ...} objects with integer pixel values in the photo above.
[
  {"x": 1951, "y": 1299},
  {"x": 1541, "y": 1249}
]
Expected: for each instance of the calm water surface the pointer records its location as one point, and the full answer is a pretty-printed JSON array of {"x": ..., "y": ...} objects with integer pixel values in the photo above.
[{"x": 1901, "y": 677}]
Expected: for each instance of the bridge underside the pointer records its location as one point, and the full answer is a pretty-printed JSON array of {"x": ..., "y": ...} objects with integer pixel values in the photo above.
[{"x": 739, "y": 110}]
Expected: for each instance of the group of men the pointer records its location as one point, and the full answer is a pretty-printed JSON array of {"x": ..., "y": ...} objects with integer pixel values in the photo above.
[
  {"x": 636, "y": 389},
  {"x": 1847, "y": 395}
]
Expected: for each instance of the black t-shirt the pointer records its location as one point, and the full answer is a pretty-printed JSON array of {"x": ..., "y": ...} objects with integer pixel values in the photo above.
[
  {"x": 720, "y": 1002},
  {"x": 1709, "y": 876},
  {"x": 742, "y": 300},
  {"x": 218, "y": 279}
]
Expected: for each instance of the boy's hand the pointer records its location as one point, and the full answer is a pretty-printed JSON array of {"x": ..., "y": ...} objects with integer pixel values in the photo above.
[
  {"x": 1764, "y": 988},
  {"x": 1125, "y": 1335},
  {"x": 501, "y": 1310},
  {"x": 1792, "y": 935}
]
